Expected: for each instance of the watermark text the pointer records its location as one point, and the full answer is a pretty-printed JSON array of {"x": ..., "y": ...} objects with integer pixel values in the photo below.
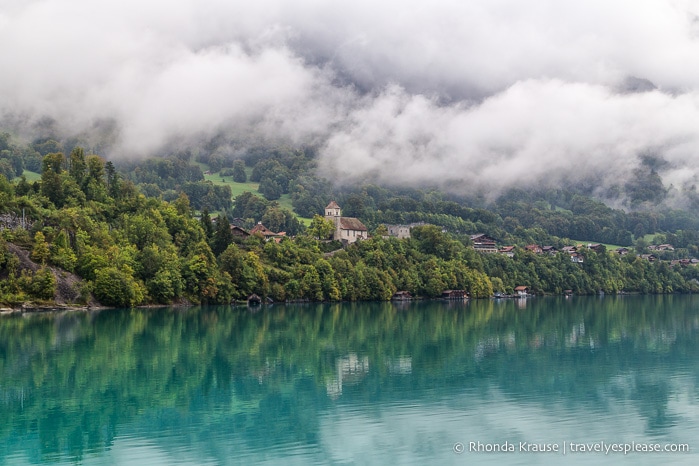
[{"x": 568, "y": 447}]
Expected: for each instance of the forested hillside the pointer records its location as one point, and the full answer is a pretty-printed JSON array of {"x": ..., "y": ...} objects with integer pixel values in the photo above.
[{"x": 156, "y": 231}]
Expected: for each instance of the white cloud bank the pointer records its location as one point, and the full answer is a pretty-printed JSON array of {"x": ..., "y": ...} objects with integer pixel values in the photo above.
[{"x": 477, "y": 94}]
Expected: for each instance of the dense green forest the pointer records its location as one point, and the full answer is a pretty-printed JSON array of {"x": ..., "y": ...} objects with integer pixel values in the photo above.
[{"x": 156, "y": 231}]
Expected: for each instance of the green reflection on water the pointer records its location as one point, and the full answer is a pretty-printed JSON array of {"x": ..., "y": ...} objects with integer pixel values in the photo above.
[{"x": 71, "y": 383}]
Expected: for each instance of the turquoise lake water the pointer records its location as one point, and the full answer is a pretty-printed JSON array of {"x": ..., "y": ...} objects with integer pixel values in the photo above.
[{"x": 366, "y": 384}]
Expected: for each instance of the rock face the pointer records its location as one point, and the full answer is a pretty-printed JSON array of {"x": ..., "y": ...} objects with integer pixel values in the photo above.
[
  {"x": 68, "y": 284},
  {"x": 12, "y": 222}
]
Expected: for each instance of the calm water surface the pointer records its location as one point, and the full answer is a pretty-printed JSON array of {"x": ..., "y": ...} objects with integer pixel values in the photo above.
[{"x": 372, "y": 384}]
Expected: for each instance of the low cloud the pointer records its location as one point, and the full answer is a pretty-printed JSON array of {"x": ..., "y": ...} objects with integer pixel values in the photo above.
[
  {"x": 535, "y": 133},
  {"x": 479, "y": 95}
]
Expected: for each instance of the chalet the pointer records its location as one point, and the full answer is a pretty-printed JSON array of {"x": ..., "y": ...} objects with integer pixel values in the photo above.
[
  {"x": 484, "y": 243},
  {"x": 649, "y": 257},
  {"x": 265, "y": 232},
  {"x": 595, "y": 247},
  {"x": 685, "y": 262},
  {"x": 239, "y": 232},
  {"x": 535, "y": 248},
  {"x": 569, "y": 249},
  {"x": 577, "y": 258},
  {"x": 347, "y": 229},
  {"x": 681, "y": 262},
  {"x": 549, "y": 250},
  {"x": 521, "y": 291},
  {"x": 509, "y": 251},
  {"x": 454, "y": 294},
  {"x": 661, "y": 247},
  {"x": 622, "y": 251}
]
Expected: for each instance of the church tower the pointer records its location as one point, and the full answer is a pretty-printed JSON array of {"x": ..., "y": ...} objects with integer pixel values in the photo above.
[
  {"x": 334, "y": 214},
  {"x": 332, "y": 210}
]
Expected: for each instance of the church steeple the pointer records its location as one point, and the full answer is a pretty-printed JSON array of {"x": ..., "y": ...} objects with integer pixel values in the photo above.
[{"x": 332, "y": 210}]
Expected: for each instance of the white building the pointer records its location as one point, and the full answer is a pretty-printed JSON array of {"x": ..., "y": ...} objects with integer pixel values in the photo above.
[
  {"x": 347, "y": 229},
  {"x": 399, "y": 231}
]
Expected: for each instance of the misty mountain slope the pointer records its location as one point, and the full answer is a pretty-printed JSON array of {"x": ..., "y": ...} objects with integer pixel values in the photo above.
[{"x": 473, "y": 97}]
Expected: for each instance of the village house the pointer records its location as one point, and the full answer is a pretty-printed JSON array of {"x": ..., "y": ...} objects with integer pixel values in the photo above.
[
  {"x": 509, "y": 251},
  {"x": 535, "y": 248},
  {"x": 484, "y": 243},
  {"x": 549, "y": 250},
  {"x": 622, "y": 251},
  {"x": 347, "y": 229},
  {"x": 402, "y": 231},
  {"x": 577, "y": 258},
  {"x": 681, "y": 262},
  {"x": 239, "y": 232},
  {"x": 661, "y": 247},
  {"x": 266, "y": 232},
  {"x": 399, "y": 231}
]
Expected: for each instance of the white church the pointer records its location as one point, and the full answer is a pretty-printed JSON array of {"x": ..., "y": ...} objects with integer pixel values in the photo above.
[{"x": 347, "y": 229}]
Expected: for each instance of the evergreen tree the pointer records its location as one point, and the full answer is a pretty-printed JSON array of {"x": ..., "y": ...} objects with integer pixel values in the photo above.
[
  {"x": 112, "y": 179},
  {"x": 40, "y": 251},
  {"x": 222, "y": 236},
  {"x": 206, "y": 224},
  {"x": 77, "y": 165},
  {"x": 51, "y": 183}
]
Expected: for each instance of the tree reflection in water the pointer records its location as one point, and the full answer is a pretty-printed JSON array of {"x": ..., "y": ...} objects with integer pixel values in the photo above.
[{"x": 72, "y": 383}]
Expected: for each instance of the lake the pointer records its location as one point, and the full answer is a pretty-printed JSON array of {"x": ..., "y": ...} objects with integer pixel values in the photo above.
[{"x": 367, "y": 384}]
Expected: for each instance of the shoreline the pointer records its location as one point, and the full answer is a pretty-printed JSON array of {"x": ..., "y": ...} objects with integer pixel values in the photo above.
[{"x": 27, "y": 308}]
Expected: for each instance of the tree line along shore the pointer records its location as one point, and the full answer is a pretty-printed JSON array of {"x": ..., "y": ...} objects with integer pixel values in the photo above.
[{"x": 90, "y": 233}]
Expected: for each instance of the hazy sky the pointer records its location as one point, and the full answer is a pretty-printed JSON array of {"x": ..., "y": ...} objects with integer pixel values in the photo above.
[{"x": 469, "y": 93}]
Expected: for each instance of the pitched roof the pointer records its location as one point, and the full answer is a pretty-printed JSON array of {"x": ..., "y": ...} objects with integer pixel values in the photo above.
[
  {"x": 236, "y": 230},
  {"x": 482, "y": 238},
  {"x": 351, "y": 223},
  {"x": 332, "y": 205},
  {"x": 263, "y": 230}
]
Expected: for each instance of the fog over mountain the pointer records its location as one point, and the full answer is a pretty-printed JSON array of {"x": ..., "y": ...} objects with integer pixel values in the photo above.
[{"x": 480, "y": 94}]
